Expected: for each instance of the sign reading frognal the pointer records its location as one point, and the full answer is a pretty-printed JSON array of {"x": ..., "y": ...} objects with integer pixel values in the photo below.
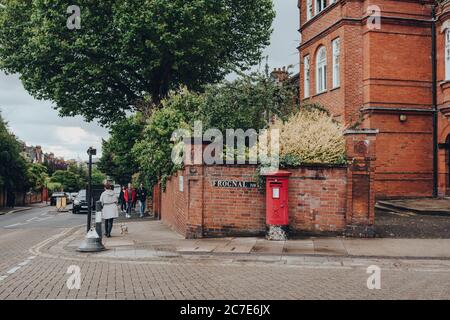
[{"x": 234, "y": 184}]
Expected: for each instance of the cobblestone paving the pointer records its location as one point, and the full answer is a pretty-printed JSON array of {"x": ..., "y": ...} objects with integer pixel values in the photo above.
[{"x": 45, "y": 277}]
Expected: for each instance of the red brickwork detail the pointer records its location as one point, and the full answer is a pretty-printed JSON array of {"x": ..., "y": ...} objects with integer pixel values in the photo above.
[{"x": 317, "y": 201}]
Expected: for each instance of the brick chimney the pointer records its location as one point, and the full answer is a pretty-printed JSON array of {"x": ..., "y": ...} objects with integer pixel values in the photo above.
[{"x": 280, "y": 74}]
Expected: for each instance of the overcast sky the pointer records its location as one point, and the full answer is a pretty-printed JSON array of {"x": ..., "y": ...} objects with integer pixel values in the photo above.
[{"x": 37, "y": 123}]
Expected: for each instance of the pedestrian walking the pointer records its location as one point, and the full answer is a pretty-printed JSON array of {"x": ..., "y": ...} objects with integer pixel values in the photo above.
[
  {"x": 142, "y": 195},
  {"x": 130, "y": 198},
  {"x": 123, "y": 203},
  {"x": 109, "y": 208}
]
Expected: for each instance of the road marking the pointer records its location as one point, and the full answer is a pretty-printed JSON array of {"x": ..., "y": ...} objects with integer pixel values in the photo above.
[
  {"x": 3, "y": 278},
  {"x": 13, "y": 270},
  {"x": 22, "y": 264},
  {"x": 14, "y": 225}
]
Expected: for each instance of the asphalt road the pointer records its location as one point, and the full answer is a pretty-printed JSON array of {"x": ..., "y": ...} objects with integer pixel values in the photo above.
[{"x": 41, "y": 218}]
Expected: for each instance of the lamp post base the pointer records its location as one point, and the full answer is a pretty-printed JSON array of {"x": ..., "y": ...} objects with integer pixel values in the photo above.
[{"x": 92, "y": 243}]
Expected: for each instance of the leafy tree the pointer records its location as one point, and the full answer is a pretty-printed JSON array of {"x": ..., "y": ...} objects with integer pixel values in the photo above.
[
  {"x": 128, "y": 54},
  {"x": 37, "y": 176},
  {"x": 117, "y": 160},
  {"x": 69, "y": 181},
  {"x": 249, "y": 102},
  {"x": 245, "y": 103},
  {"x": 153, "y": 152},
  {"x": 98, "y": 177},
  {"x": 80, "y": 170},
  {"x": 13, "y": 167}
]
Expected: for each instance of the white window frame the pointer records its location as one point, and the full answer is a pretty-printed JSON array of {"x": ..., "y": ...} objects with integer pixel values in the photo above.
[
  {"x": 447, "y": 54},
  {"x": 309, "y": 9},
  {"x": 321, "y": 70},
  {"x": 306, "y": 76},
  {"x": 336, "y": 47},
  {"x": 320, "y": 6}
]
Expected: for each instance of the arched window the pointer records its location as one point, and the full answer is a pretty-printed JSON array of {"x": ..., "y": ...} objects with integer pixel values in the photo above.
[
  {"x": 336, "y": 45},
  {"x": 321, "y": 70},
  {"x": 447, "y": 54},
  {"x": 306, "y": 68}
]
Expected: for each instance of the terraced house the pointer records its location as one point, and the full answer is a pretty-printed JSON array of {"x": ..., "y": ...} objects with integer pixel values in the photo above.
[{"x": 385, "y": 65}]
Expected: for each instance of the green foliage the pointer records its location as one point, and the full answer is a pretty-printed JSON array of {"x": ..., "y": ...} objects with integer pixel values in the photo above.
[
  {"x": 247, "y": 102},
  {"x": 54, "y": 187},
  {"x": 37, "y": 176},
  {"x": 69, "y": 181},
  {"x": 98, "y": 177},
  {"x": 128, "y": 54},
  {"x": 117, "y": 161},
  {"x": 241, "y": 104},
  {"x": 13, "y": 167},
  {"x": 153, "y": 152}
]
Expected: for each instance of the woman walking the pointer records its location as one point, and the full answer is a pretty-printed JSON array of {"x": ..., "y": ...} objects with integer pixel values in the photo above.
[{"x": 109, "y": 212}]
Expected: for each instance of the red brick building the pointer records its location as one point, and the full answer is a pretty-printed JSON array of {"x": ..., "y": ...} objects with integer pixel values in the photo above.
[{"x": 370, "y": 62}]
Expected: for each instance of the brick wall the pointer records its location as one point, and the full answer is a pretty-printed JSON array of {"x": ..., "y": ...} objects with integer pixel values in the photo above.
[
  {"x": 174, "y": 204},
  {"x": 317, "y": 202}
]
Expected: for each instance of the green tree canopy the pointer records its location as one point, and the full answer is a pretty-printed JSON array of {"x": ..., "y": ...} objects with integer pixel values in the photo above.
[
  {"x": 13, "y": 167},
  {"x": 117, "y": 160},
  {"x": 128, "y": 54},
  {"x": 37, "y": 176},
  {"x": 245, "y": 103},
  {"x": 69, "y": 181},
  {"x": 98, "y": 177}
]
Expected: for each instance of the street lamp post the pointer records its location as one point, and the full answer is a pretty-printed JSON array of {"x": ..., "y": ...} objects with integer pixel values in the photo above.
[
  {"x": 91, "y": 152},
  {"x": 93, "y": 241}
]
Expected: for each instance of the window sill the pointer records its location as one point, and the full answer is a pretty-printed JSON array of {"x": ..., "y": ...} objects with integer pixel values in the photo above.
[
  {"x": 320, "y": 93},
  {"x": 336, "y": 88}
]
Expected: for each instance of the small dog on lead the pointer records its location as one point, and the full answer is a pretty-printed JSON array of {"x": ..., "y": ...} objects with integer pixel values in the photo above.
[{"x": 123, "y": 229}]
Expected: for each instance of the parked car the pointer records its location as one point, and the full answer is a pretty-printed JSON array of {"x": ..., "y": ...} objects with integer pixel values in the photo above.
[
  {"x": 73, "y": 195},
  {"x": 55, "y": 196},
  {"x": 80, "y": 204}
]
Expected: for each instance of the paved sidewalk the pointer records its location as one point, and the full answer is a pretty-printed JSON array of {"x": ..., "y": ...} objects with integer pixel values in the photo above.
[{"x": 153, "y": 240}]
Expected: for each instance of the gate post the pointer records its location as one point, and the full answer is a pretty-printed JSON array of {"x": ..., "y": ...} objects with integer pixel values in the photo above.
[{"x": 361, "y": 153}]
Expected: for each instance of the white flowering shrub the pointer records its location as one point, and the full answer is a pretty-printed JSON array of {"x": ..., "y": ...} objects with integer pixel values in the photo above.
[{"x": 311, "y": 136}]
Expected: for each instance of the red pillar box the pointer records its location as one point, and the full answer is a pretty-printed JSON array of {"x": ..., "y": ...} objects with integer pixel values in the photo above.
[{"x": 277, "y": 209}]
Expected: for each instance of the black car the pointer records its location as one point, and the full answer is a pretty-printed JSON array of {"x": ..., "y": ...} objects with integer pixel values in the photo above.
[{"x": 80, "y": 204}]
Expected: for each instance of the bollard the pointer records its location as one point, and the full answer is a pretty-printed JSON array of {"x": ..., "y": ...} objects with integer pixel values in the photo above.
[{"x": 98, "y": 218}]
